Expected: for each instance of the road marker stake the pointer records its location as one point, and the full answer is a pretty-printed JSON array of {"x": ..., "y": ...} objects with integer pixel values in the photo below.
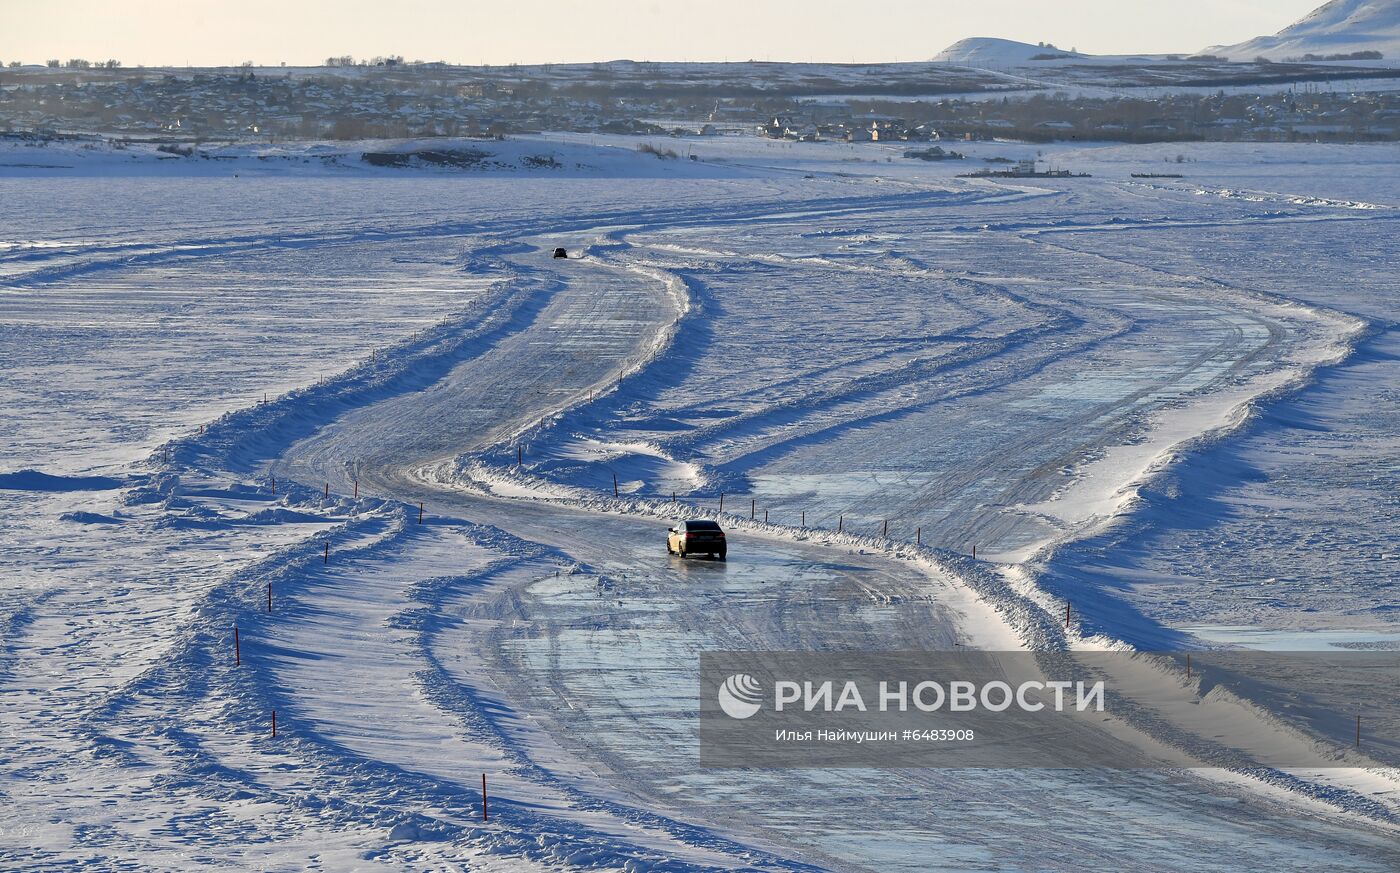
[
  {"x": 269, "y": 597},
  {"x": 886, "y": 531},
  {"x": 274, "y": 724},
  {"x": 420, "y": 512},
  {"x": 328, "y": 489},
  {"x": 753, "y": 508},
  {"x": 326, "y": 558},
  {"x": 237, "y": 655},
  {"x": 840, "y": 523},
  {"x": 484, "y": 816},
  {"x": 919, "y": 537},
  {"x": 1066, "y": 613},
  {"x": 614, "y": 484}
]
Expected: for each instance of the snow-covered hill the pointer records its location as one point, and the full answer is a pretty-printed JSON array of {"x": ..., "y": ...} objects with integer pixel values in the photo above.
[
  {"x": 995, "y": 53},
  {"x": 1339, "y": 27}
]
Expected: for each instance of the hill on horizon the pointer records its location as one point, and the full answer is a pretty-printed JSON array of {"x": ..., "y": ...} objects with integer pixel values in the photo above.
[
  {"x": 985, "y": 51},
  {"x": 1338, "y": 27}
]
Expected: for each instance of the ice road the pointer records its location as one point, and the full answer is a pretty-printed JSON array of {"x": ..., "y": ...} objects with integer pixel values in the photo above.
[{"x": 242, "y": 400}]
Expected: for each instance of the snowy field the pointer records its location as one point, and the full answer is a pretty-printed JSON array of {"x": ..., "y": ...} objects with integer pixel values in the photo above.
[{"x": 229, "y": 384}]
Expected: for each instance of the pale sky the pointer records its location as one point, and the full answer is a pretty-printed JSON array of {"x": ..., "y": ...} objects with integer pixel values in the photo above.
[{"x": 216, "y": 32}]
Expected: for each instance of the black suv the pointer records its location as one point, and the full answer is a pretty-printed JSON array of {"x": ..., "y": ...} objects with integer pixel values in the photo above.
[{"x": 696, "y": 537}]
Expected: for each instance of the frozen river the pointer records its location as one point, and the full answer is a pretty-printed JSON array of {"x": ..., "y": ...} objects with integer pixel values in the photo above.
[{"x": 272, "y": 392}]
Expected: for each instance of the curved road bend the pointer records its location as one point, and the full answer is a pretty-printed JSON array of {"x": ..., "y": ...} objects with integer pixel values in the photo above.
[{"x": 622, "y": 638}]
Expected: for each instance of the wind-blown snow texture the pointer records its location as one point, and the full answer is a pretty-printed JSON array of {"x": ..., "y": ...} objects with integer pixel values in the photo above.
[{"x": 1161, "y": 401}]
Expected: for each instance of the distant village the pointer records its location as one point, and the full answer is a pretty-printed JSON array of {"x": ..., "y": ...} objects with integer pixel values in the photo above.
[
  {"x": 390, "y": 99},
  {"x": 1283, "y": 117}
]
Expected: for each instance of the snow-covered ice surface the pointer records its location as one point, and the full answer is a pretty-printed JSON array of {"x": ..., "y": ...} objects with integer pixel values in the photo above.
[{"x": 1169, "y": 402}]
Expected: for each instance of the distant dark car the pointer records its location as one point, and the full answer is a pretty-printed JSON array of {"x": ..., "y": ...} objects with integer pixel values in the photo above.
[
  {"x": 561, "y": 253},
  {"x": 697, "y": 538}
]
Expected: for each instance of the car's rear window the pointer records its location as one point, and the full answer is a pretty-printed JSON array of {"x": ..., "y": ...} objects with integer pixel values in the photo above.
[{"x": 701, "y": 525}]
